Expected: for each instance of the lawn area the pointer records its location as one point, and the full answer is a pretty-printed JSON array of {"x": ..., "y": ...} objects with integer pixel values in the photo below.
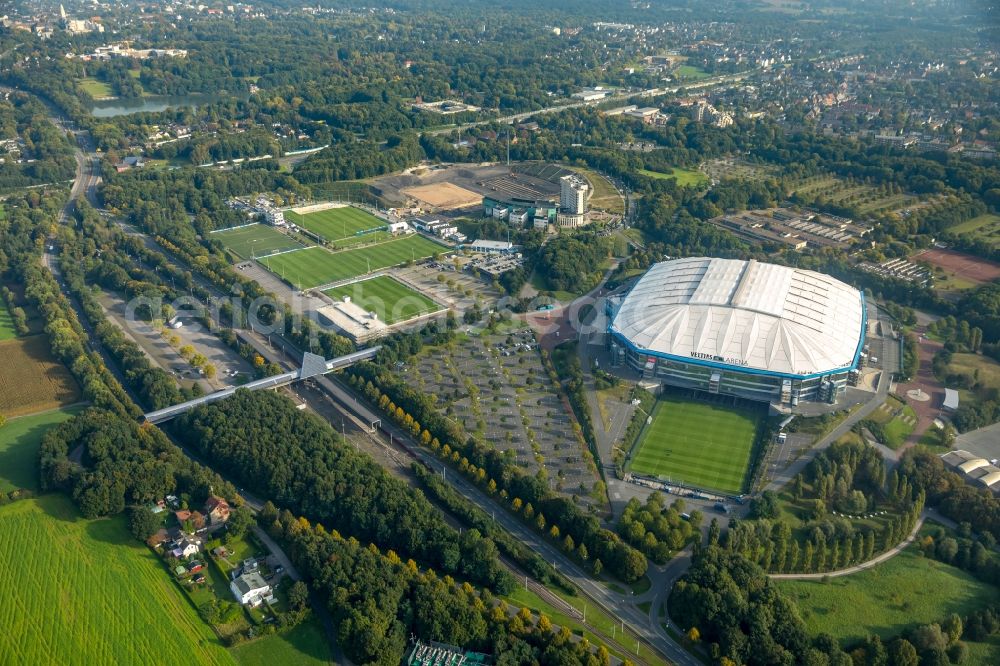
[
  {"x": 903, "y": 592},
  {"x": 897, "y": 420},
  {"x": 685, "y": 177},
  {"x": 691, "y": 73},
  {"x": 989, "y": 370},
  {"x": 303, "y": 645},
  {"x": 94, "y": 88},
  {"x": 316, "y": 266},
  {"x": 75, "y": 591},
  {"x": 987, "y": 222},
  {"x": 522, "y": 598},
  {"x": 605, "y": 196},
  {"x": 698, "y": 443},
  {"x": 336, "y": 223},
  {"x": 900, "y": 427},
  {"x": 392, "y": 300},
  {"x": 256, "y": 240},
  {"x": 19, "y": 441},
  {"x": 7, "y": 331}
]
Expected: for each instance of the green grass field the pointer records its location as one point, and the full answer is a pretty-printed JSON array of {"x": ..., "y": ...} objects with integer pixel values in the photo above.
[
  {"x": 303, "y": 645},
  {"x": 75, "y": 591},
  {"x": 988, "y": 223},
  {"x": 903, "y": 592},
  {"x": 685, "y": 177},
  {"x": 691, "y": 73},
  {"x": 7, "y": 331},
  {"x": 316, "y": 266},
  {"x": 392, "y": 300},
  {"x": 256, "y": 240},
  {"x": 95, "y": 88},
  {"x": 19, "y": 441},
  {"x": 336, "y": 223},
  {"x": 697, "y": 443}
]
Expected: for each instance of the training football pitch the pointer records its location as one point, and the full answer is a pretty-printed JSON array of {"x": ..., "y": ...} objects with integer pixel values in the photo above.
[
  {"x": 256, "y": 240},
  {"x": 316, "y": 266},
  {"x": 392, "y": 300},
  {"x": 699, "y": 444},
  {"x": 336, "y": 223}
]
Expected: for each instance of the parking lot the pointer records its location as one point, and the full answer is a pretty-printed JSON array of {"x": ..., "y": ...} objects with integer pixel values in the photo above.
[{"x": 495, "y": 387}]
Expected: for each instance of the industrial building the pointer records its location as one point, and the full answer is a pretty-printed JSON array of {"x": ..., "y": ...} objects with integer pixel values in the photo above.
[
  {"x": 533, "y": 209},
  {"x": 743, "y": 328},
  {"x": 353, "y": 321},
  {"x": 976, "y": 471}
]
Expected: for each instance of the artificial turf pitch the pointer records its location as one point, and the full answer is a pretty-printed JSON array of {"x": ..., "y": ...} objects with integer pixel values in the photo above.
[
  {"x": 316, "y": 266},
  {"x": 255, "y": 240},
  {"x": 336, "y": 223},
  {"x": 390, "y": 299},
  {"x": 699, "y": 444}
]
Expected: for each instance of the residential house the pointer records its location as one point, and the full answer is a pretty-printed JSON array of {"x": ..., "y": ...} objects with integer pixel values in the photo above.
[
  {"x": 217, "y": 510},
  {"x": 191, "y": 521},
  {"x": 186, "y": 547},
  {"x": 158, "y": 539},
  {"x": 250, "y": 589},
  {"x": 130, "y": 162}
]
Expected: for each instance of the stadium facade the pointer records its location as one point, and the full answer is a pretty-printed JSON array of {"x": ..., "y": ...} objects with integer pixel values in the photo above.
[{"x": 744, "y": 328}]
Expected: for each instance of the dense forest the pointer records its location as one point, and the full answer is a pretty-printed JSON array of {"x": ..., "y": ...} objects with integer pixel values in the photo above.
[{"x": 299, "y": 462}]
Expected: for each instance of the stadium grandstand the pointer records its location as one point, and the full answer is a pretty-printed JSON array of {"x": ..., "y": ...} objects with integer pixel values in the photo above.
[{"x": 743, "y": 328}]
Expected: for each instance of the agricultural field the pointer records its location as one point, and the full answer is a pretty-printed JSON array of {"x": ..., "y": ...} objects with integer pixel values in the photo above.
[
  {"x": 256, "y": 240},
  {"x": 95, "y": 88},
  {"x": 316, "y": 266},
  {"x": 19, "y": 442},
  {"x": 903, "y": 592},
  {"x": 334, "y": 224},
  {"x": 7, "y": 331},
  {"x": 698, "y": 443},
  {"x": 303, "y": 645},
  {"x": 32, "y": 380},
  {"x": 494, "y": 387},
  {"x": 90, "y": 594},
  {"x": 392, "y": 300},
  {"x": 685, "y": 177}
]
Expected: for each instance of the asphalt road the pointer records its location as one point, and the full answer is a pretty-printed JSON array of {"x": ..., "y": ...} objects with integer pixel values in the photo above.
[{"x": 518, "y": 117}]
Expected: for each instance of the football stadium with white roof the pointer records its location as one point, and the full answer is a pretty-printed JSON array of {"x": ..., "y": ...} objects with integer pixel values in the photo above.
[{"x": 744, "y": 328}]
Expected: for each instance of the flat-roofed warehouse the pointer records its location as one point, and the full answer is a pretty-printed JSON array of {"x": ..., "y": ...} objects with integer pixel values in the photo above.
[{"x": 744, "y": 328}]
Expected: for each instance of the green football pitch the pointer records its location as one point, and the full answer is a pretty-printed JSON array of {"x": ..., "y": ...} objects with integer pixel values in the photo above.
[
  {"x": 255, "y": 240},
  {"x": 316, "y": 266},
  {"x": 392, "y": 300},
  {"x": 699, "y": 444},
  {"x": 336, "y": 223}
]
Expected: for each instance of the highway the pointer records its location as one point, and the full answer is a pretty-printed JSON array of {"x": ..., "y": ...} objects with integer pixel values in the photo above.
[
  {"x": 655, "y": 92},
  {"x": 615, "y": 604}
]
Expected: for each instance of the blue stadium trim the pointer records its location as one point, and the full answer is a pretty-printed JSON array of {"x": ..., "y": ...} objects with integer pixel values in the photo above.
[{"x": 746, "y": 370}]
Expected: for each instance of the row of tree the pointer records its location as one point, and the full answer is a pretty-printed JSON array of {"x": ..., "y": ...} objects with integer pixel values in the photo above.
[
  {"x": 617, "y": 557},
  {"x": 299, "y": 462},
  {"x": 378, "y": 600}
]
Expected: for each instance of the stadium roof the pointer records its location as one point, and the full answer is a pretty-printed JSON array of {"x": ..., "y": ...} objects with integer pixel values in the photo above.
[{"x": 747, "y": 315}]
